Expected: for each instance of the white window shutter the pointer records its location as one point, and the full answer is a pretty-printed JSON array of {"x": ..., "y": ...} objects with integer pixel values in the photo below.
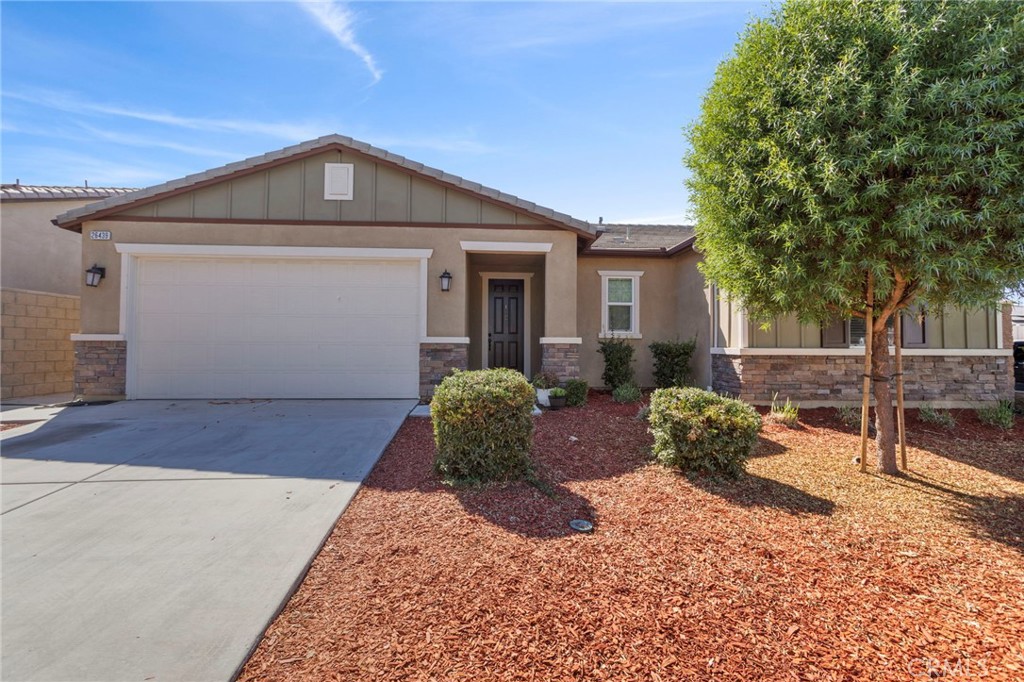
[{"x": 338, "y": 181}]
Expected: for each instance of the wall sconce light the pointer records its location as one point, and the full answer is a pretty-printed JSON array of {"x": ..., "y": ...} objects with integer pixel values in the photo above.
[
  {"x": 93, "y": 276},
  {"x": 446, "y": 281}
]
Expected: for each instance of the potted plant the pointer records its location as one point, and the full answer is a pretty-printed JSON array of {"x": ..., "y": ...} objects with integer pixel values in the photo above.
[
  {"x": 556, "y": 398},
  {"x": 543, "y": 382}
]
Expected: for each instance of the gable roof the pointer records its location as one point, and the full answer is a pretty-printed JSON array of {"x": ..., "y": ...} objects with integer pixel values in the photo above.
[
  {"x": 19, "y": 192},
  {"x": 641, "y": 240},
  {"x": 73, "y": 219}
]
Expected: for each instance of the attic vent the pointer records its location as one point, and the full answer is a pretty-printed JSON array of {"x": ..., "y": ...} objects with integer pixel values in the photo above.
[{"x": 338, "y": 181}]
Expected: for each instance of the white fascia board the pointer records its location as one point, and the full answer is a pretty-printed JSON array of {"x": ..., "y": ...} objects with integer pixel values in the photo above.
[
  {"x": 224, "y": 251},
  {"x": 97, "y": 337},
  {"x": 621, "y": 273},
  {"x": 506, "y": 247}
]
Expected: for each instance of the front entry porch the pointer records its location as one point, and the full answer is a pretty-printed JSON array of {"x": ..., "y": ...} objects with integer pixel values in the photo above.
[{"x": 510, "y": 304}]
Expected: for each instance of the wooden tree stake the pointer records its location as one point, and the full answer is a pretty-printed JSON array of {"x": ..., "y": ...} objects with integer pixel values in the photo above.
[
  {"x": 901, "y": 423},
  {"x": 869, "y": 322}
]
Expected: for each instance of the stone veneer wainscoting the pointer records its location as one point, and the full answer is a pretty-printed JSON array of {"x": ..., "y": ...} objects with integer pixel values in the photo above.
[
  {"x": 561, "y": 359},
  {"x": 437, "y": 360},
  {"x": 956, "y": 380},
  {"x": 100, "y": 369}
]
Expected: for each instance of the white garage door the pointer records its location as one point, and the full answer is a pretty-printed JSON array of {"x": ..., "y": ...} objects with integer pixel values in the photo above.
[{"x": 269, "y": 328}]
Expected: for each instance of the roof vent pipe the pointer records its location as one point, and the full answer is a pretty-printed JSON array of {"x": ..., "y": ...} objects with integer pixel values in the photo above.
[{"x": 627, "y": 233}]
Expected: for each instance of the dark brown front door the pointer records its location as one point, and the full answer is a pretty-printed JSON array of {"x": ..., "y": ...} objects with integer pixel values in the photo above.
[{"x": 505, "y": 324}]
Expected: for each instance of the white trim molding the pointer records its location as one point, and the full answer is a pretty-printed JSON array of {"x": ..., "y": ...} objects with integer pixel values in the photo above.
[
  {"x": 506, "y": 247},
  {"x": 97, "y": 337},
  {"x": 999, "y": 324},
  {"x": 444, "y": 339},
  {"x": 634, "y": 323},
  {"x": 560, "y": 339},
  {"x": 486, "y": 278},
  {"x": 859, "y": 352},
  {"x": 307, "y": 252}
]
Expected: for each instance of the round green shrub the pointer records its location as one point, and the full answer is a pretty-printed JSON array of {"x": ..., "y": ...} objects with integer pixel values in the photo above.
[
  {"x": 697, "y": 430},
  {"x": 483, "y": 425},
  {"x": 576, "y": 392}
]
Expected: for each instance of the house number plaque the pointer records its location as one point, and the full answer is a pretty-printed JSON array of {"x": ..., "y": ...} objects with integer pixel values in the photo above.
[{"x": 100, "y": 235}]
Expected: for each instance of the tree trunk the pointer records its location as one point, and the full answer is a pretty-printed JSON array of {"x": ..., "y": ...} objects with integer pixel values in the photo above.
[{"x": 885, "y": 430}]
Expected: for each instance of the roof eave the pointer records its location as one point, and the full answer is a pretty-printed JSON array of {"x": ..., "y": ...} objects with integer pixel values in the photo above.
[{"x": 73, "y": 220}]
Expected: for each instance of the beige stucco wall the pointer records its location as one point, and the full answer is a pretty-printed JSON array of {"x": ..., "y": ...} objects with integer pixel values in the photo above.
[
  {"x": 35, "y": 255},
  {"x": 446, "y": 312},
  {"x": 673, "y": 307}
]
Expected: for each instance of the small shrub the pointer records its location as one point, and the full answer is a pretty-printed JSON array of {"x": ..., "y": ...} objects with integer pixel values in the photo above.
[
  {"x": 482, "y": 425},
  {"x": 618, "y": 362},
  {"x": 576, "y": 392},
  {"x": 848, "y": 415},
  {"x": 1000, "y": 414},
  {"x": 627, "y": 393},
  {"x": 672, "y": 362},
  {"x": 697, "y": 430},
  {"x": 943, "y": 418},
  {"x": 787, "y": 414},
  {"x": 544, "y": 380},
  {"x": 644, "y": 413},
  {"x": 557, "y": 392}
]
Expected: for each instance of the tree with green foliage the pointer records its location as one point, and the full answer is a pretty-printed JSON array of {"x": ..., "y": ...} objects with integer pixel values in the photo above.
[{"x": 851, "y": 151}]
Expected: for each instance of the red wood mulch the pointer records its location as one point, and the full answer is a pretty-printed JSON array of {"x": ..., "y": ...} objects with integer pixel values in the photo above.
[
  {"x": 804, "y": 569},
  {"x": 6, "y": 426}
]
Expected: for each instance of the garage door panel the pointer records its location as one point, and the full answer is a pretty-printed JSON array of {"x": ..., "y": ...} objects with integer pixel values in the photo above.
[{"x": 223, "y": 328}]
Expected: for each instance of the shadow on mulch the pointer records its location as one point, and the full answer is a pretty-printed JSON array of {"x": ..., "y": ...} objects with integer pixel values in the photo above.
[
  {"x": 569, "y": 446},
  {"x": 988, "y": 449},
  {"x": 768, "y": 448},
  {"x": 1000, "y": 519},
  {"x": 750, "y": 490},
  {"x": 988, "y": 517},
  {"x": 525, "y": 510}
]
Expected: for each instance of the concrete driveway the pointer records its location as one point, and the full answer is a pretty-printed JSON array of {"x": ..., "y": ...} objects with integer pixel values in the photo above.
[{"x": 155, "y": 540}]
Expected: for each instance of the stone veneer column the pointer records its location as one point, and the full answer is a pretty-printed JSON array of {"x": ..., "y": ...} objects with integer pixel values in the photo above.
[
  {"x": 561, "y": 357},
  {"x": 100, "y": 369},
  {"x": 437, "y": 360},
  {"x": 727, "y": 374}
]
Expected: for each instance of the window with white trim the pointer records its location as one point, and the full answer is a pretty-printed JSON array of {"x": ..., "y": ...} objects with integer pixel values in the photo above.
[
  {"x": 852, "y": 333},
  {"x": 620, "y": 304}
]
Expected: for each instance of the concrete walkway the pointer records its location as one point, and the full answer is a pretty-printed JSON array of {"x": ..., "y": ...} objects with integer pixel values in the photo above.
[{"x": 155, "y": 540}]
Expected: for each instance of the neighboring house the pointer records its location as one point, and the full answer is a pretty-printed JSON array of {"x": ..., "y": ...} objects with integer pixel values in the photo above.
[
  {"x": 333, "y": 269},
  {"x": 1017, "y": 316},
  {"x": 40, "y": 271}
]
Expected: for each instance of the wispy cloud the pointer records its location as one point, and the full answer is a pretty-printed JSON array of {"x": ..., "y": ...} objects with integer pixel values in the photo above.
[
  {"x": 338, "y": 20},
  {"x": 294, "y": 132},
  {"x": 50, "y": 166},
  {"x": 524, "y": 27}
]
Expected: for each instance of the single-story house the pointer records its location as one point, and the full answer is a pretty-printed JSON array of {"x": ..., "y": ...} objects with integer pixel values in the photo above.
[
  {"x": 40, "y": 276},
  {"x": 334, "y": 269}
]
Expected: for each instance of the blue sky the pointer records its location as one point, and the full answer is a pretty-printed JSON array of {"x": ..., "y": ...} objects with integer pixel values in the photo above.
[{"x": 577, "y": 106}]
